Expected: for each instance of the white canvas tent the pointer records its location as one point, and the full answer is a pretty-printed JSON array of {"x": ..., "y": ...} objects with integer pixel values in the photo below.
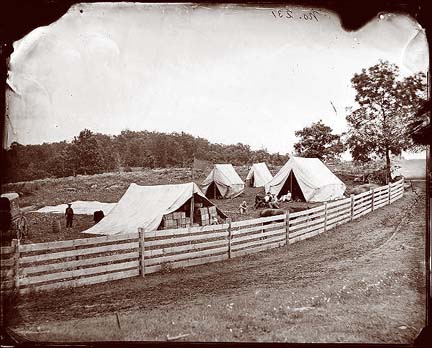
[
  {"x": 259, "y": 175},
  {"x": 144, "y": 206},
  {"x": 308, "y": 179},
  {"x": 223, "y": 181}
]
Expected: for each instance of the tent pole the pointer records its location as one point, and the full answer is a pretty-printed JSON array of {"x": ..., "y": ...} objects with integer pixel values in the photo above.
[
  {"x": 291, "y": 190},
  {"x": 192, "y": 209},
  {"x": 214, "y": 186}
]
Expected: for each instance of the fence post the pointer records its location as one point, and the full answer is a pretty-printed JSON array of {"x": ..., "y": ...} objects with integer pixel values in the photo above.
[
  {"x": 16, "y": 257},
  {"x": 325, "y": 217},
  {"x": 373, "y": 199},
  {"x": 389, "y": 193},
  {"x": 287, "y": 228},
  {"x": 141, "y": 251},
  {"x": 229, "y": 237},
  {"x": 352, "y": 207}
]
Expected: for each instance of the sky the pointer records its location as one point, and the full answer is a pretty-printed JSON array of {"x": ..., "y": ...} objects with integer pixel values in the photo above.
[{"x": 226, "y": 73}]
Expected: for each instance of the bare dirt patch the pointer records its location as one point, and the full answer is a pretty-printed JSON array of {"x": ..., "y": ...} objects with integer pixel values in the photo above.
[{"x": 360, "y": 282}]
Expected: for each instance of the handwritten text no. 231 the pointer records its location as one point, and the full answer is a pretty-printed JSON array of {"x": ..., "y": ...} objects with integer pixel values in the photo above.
[{"x": 287, "y": 13}]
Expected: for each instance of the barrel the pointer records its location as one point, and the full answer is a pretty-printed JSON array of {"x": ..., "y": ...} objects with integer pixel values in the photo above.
[{"x": 56, "y": 226}]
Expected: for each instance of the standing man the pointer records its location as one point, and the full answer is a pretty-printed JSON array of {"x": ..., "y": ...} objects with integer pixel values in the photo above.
[{"x": 69, "y": 216}]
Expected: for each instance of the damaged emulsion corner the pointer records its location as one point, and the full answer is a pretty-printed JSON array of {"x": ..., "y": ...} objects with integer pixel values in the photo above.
[{"x": 350, "y": 25}]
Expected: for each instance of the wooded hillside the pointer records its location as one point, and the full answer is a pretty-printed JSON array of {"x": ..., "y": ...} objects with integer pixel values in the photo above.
[{"x": 91, "y": 153}]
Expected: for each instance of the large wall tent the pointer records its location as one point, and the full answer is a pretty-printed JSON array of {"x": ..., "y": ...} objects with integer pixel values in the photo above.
[
  {"x": 145, "y": 206},
  {"x": 258, "y": 175},
  {"x": 307, "y": 179},
  {"x": 222, "y": 182}
]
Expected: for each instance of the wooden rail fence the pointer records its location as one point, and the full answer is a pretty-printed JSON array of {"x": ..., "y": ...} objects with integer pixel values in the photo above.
[
  {"x": 198, "y": 245},
  {"x": 77, "y": 262},
  {"x": 51, "y": 265}
]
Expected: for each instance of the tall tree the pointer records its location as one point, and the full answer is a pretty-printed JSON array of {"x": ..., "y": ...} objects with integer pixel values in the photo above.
[
  {"x": 318, "y": 141},
  {"x": 387, "y": 103},
  {"x": 87, "y": 154}
]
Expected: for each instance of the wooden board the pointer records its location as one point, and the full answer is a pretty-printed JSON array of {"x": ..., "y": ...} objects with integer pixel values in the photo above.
[
  {"x": 297, "y": 220},
  {"x": 243, "y": 231},
  {"x": 378, "y": 200},
  {"x": 183, "y": 248},
  {"x": 381, "y": 204},
  {"x": 78, "y": 252},
  {"x": 362, "y": 205},
  {"x": 5, "y": 250},
  {"x": 257, "y": 221},
  {"x": 396, "y": 193},
  {"x": 246, "y": 230},
  {"x": 7, "y": 262},
  {"x": 183, "y": 231},
  {"x": 27, "y": 270},
  {"x": 193, "y": 238},
  {"x": 363, "y": 199},
  {"x": 190, "y": 255},
  {"x": 84, "y": 281},
  {"x": 307, "y": 211},
  {"x": 23, "y": 248},
  {"x": 339, "y": 207},
  {"x": 338, "y": 213},
  {"x": 362, "y": 208},
  {"x": 306, "y": 230},
  {"x": 7, "y": 272},
  {"x": 273, "y": 226},
  {"x": 293, "y": 228},
  {"x": 78, "y": 273},
  {"x": 239, "y": 241},
  {"x": 362, "y": 195},
  {"x": 339, "y": 202},
  {"x": 338, "y": 218}
]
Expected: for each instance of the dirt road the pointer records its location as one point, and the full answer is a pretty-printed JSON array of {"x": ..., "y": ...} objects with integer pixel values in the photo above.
[{"x": 361, "y": 282}]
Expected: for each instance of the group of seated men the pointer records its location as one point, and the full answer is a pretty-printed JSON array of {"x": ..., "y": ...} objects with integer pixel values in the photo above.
[{"x": 269, "y": 200}]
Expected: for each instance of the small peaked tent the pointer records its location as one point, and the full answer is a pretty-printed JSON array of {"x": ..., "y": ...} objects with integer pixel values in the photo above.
[
  {"x": 308, "y": 179},
  {"x": 144, "y": 206},
  {"x": 258, "y": 175},
  {"x": 223, "y": 181}
]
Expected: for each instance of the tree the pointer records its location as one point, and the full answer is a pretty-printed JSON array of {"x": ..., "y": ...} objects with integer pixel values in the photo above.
[
  {"x": 318, "y": 141},
  {"x": 387, "y": 103},
  {"x": 87, "y": 156}
]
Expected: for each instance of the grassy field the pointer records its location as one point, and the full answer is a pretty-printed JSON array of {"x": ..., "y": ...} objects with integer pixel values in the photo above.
[{"x": 361, "y": 282}]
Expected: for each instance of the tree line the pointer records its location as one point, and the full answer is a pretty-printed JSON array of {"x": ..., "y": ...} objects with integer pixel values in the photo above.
[
  {"x": 377, "y": 127},
  {"x": 92, "y": 153}
]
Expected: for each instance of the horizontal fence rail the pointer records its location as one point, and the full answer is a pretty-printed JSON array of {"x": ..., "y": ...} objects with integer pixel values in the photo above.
[
  {"x": 45, "y": 266},
  {"x": 78, "y": 262},
  {"x": 168, "y": 249}
]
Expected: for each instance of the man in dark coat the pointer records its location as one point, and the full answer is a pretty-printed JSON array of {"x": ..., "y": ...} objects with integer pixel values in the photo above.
[{"x": 69, "y": 216}]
